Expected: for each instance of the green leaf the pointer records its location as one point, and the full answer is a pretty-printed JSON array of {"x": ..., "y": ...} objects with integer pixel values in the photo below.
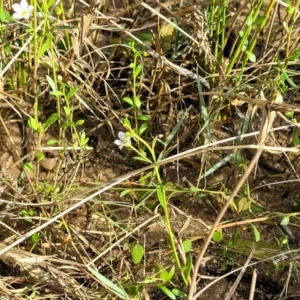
[
  {"x": 243, "y": 204},
  {"x": 109, "y": 284},
  {"x": 46, "y": 45},
  {"x": 39, "y": 156},
  {"x": 290, "y": 9},
  {"x": 145, "y": 159},
  {"x": 188, "y": 267},
  {"x": 187, "y": 245},
  {"x": 50, "y": 3},
  {"x": 142, "y": 128},
  {"x": 138, "y": 70},
  {"x": 51, "y": 83},
  {"x": 145, "y": 37},
  {"x": 249, "y": 20},
  {"x": 143, "y": 153},
  {"x": 35, "y": 238},
  {"x": 28, "y": 166},
  {"x": 137, "y": 102},
  {"x": 285, "y": 221},
  {"x": 256, "y": 233},
  {"x": 251, "y": 56},
  {"x": 52, "y": 142},
  {"x": 66, "y": 125},
  {"x": 296, "y": 139},
  {"x": 294, "y": 55},
  {"x": 79, "y": 122},
  {"x": 72, "y": 92},
  {"x": 56, "y": 93},
  {"x": 144, "y": 118},
  {"x": 33, "y": 124},
  {"x": 255, "y": 208},
  {"x": 179, "y": 293},
  {"x": 161, "y": 196},
  {"x": 126, "y": 123},
  {"x": 67, "y": 111},
  {"x": 171, "y": 273},
  {"x": 125, "y": 192},
  {"x": 259, "y": 20},
  {"x": 167, "y": 292},
  {"x": 128, "y": 100},
  {"x": 137, "y": 253},
  {"x": 4, "y": 17},
  {"x": 217, "y": 236},
  {"x": 50, "y": 120},
  {"x": 164, "y": 275}
]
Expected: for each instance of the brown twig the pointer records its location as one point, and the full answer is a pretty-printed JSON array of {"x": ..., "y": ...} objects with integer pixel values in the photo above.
[{"x": 265, "y": 125}]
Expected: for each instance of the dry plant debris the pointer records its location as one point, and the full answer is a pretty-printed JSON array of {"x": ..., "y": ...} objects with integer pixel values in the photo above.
[{"x": 149, "y": 150}]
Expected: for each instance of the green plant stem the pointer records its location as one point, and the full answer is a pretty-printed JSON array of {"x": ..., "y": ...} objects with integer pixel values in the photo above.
[
  {"x": 135, "y": 56},
  {"x": 161, "y": 193},
  {"x": 259, "y": 29}
]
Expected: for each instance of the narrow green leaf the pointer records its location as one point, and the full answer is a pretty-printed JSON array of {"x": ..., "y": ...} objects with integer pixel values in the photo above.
[
  {"x": 167, "y": 292},
  {"x": 145, "y": 159},
  {"x": 108, "y": 284},
  {"x": 128, "y": 100},
  {"x": 56, "y": 93},
  {"x": 171, "y": 273},
  {"x": 79, "y": 122},
  {"x": 256, "y": 233},
  {"x": 67, "y": 111},
  {"x": 144, "y": 118},
  {"x": 142, "y": 128},
  {"x": 50, "y": 120},
  {"x": 179, "y": 293},
  {"x": 188, "y": 267},
  {"x": 28, "y": 166},
  {"x": 125, "y": 192},
  {"x": 51, "y": 83},
  {"x": 72, "y": 92},
  {"x": 52, "y": 142},
  {"x": 66, "y": 125},
  {"x": 45, "y": 46}
]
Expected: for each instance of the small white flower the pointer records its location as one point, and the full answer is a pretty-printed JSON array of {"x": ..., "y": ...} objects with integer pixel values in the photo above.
[
  {"x": 22, "y": 10},
  {"x": 124, "y": 140}
]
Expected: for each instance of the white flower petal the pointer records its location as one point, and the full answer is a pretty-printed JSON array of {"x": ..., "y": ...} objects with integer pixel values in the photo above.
[
  {"x": 17, "y": 16},
  {"x": 16, "y": 7},
  {"x": 24, "y": 4},
  {"x": 22, "y": 10},
  {"x": 119, "y": 143},
  {"x": 121, "y": 135}
]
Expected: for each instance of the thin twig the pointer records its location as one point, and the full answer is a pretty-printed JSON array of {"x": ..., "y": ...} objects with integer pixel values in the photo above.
[
  {"x": 253, "y": 285},
  {"x": 240, "y": 183},
  {"x": 238, "y": 279}
]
